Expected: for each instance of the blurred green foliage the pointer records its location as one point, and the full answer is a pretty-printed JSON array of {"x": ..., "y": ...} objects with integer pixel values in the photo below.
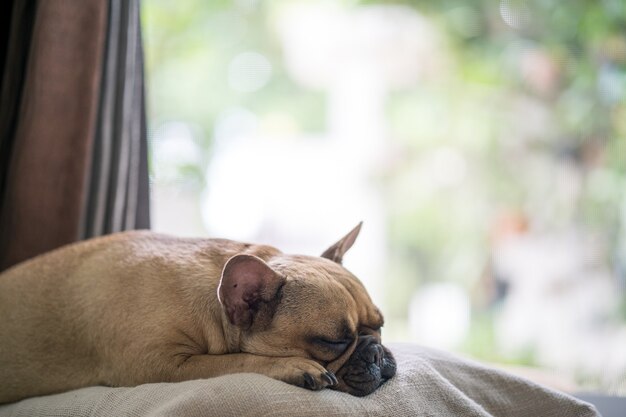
[
  {"x": 532, "y": 88},
  {"x": 188, "y": 48}
]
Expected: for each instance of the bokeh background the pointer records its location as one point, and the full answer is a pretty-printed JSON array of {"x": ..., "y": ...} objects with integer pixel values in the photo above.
[{"x": 483, "y": 144}]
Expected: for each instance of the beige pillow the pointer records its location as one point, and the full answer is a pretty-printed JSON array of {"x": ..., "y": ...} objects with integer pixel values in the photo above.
[{"x": 428, "y": 383}]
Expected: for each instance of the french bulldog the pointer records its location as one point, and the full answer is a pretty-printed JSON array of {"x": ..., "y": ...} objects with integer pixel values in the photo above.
[{"x": 139, "y": 307}]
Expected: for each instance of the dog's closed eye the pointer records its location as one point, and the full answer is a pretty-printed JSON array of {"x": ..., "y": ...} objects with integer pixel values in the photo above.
[{"x": 334, "y": 345}]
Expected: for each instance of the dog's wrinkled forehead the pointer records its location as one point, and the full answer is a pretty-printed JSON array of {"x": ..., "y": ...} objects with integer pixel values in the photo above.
[
  {"x": 302, "y": 266},
  {"x": 320, "y": 273}
]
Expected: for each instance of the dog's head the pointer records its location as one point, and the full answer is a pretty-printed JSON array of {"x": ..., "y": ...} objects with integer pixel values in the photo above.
[{"x": 310, "y": 307}]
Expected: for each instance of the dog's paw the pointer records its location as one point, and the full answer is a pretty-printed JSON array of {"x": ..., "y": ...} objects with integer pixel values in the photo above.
[{"x": 305, "y": 373}]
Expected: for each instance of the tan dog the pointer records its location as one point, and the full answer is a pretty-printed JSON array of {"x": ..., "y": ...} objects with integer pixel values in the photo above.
[{"x": 139, "y": 307}]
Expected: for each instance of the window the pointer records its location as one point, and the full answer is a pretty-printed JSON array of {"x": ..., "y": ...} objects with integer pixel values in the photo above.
[{"x": 483, "y": 145}]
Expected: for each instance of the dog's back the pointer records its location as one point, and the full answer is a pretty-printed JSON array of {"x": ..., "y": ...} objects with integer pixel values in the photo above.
[
  {"x": 67, "y": 317},
  {"x": 35, "y": 296}
]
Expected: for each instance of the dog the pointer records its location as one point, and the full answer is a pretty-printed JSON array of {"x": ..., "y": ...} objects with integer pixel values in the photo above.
[{"x": 140, "y": 307}]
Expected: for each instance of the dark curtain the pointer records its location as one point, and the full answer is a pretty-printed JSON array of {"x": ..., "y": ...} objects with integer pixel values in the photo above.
[
  {"x": 117, "y": 197},
  {"x": 73, "y": 142}
]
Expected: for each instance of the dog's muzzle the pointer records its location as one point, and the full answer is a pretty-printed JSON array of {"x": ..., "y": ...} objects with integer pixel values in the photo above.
[{"x": 369, "y": 366}]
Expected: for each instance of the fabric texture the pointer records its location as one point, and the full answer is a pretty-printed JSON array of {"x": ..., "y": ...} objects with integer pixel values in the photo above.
[
  {"x": 16, "y": 27},
  {"x": 428, "y": 383},
  {"x": 48, "y": 155},
  {"x": 117, "y": 195},
  {"x": 73, "y": 140}
]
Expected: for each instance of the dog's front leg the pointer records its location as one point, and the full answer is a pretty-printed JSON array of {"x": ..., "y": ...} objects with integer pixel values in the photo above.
[{"x": 293, "y": 370}]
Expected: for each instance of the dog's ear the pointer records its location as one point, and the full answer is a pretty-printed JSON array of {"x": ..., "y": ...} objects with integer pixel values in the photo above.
[
  {"x": 336, "y": 251},
  {"x": 247, "y": 287}
]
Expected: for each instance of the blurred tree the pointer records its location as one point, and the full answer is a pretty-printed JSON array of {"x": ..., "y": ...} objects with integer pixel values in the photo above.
[{"x": 528, "y": 117}]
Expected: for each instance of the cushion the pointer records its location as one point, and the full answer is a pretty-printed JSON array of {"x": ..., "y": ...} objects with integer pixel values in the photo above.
[{"x": 428, "y": 383}]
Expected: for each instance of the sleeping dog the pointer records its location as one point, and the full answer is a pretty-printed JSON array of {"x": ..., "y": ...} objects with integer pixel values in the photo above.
[{"x": 139, "y": 307}]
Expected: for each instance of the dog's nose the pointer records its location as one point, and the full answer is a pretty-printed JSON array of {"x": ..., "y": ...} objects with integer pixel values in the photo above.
[
  {"x": 370, "y": 365},
  {"x": 374, "y": 353}
]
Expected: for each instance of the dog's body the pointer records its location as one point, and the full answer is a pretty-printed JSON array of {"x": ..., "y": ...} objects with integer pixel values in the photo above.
[{"x": 139, "y": 307}]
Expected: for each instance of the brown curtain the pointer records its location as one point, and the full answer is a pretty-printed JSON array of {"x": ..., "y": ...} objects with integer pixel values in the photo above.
[{"x": 72, "y": 124}]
